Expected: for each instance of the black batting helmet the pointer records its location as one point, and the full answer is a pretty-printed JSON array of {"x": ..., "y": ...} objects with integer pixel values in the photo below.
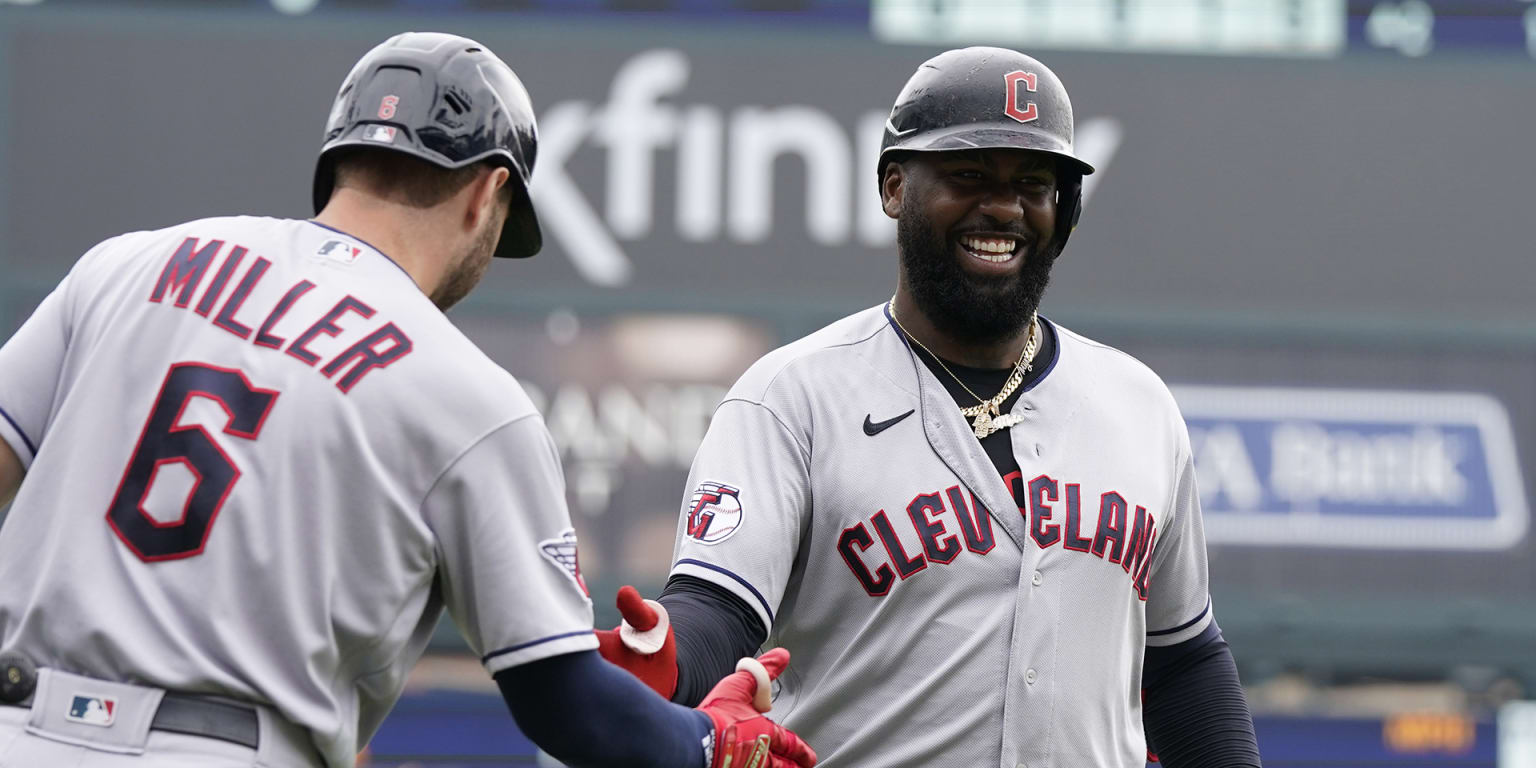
[
  {"x": 989, "y": 98},
  {"x": 447, "y": 100}
]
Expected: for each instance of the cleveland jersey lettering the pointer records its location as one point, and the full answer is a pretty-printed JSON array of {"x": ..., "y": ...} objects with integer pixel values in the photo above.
[{"x": 930, "y": 514}]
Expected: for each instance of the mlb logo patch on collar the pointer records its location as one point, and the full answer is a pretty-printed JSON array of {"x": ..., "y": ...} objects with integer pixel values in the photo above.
[
  {"x": 92, "y": 710},
  {"x": 339, "y": 251}
]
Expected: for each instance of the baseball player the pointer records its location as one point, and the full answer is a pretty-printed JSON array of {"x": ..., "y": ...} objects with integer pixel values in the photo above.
[
  {"x": 252, "y": 462},
  {"x": 977, "y": 531}
]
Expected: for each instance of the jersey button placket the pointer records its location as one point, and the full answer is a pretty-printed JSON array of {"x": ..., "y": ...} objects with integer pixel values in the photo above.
[{"x": 1030, "y": 740}]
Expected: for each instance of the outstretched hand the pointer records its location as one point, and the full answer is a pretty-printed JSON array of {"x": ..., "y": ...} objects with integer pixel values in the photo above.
[
  {"x": 642, "y": 643},
  {"x": 744, "y": 738}
]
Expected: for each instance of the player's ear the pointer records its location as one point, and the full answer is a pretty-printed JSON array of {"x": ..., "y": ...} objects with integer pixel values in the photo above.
[
  {"x": 484, "y": 196},
  {"x": 892, "y": 189}
]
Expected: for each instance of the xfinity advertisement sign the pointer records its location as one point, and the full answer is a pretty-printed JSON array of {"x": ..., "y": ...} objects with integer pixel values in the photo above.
[
  {"x": 1355, "y": 468},
  {"x": 724, "y": 166}
]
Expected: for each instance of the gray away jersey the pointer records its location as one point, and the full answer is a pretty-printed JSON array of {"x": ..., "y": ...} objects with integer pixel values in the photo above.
[
  {"x": 933, "y": 620},
  {"x": 259, "y": 464}
]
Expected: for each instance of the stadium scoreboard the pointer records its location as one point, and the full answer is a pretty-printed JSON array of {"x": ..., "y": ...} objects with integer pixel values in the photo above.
[{"x": 1286, "y": 28}]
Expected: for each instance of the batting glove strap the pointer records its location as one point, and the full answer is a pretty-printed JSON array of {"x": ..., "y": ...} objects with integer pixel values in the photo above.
[{"x": 738, "y": 750}]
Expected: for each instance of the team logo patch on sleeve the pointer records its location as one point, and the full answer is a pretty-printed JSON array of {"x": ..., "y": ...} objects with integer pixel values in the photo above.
[
  {"x": 562, "y": 552},
  {"x": 92, "y": 710},
  {"x": 714, "y": 513}
]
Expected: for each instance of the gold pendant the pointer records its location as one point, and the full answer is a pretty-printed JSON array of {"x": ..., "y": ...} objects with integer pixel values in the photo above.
[
  {"x": 983, "y": 425},
  {"x": 1005, "y": 421}
]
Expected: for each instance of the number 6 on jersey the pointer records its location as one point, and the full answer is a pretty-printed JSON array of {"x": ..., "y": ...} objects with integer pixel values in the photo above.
[{"x": 163, "y": 442}]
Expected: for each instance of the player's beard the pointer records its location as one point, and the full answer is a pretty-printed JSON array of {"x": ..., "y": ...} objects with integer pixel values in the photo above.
[
  {"x": 465, "y": 273},
  {"x": 961, "y": 305}
]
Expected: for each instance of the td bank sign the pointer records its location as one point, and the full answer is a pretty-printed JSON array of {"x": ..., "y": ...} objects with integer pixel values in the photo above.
[{"x": 723, "y": 166}]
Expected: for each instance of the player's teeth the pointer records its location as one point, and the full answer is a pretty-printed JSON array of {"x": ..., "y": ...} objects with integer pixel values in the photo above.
[{"x": 984, "y": 247}]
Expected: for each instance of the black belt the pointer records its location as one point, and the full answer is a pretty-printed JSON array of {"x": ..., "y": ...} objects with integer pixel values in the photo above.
[
  {"x": 213, "y": 718},
  {"x": 201, "y": 716}
]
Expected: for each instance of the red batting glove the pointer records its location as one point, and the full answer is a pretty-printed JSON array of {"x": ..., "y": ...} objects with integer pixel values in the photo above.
[
  {"x": 642, "y": 643},
  {"x": 744, "y": 738}
]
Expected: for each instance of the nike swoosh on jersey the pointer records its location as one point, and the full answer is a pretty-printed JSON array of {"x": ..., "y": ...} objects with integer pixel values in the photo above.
[{"x": 873, "y": 428}]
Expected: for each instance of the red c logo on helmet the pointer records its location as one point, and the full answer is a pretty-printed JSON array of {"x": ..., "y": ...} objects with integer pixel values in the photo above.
[{"x": 1011, "y": 109}]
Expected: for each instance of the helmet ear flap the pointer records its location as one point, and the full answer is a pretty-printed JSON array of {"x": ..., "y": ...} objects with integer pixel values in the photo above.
[{"x": 1069, "y": 205}]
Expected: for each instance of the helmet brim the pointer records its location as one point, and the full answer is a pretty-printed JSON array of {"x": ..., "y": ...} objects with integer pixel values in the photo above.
[
  {"x": 987, "y": 136},
  {"x": 521, "y": 236}
]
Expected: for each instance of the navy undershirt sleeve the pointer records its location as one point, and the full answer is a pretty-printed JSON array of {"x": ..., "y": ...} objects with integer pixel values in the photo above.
[
  {"x": 1195, "y": 713},
  {"x": 713, "y": 629},
  {"x": 587, "y": 712}
]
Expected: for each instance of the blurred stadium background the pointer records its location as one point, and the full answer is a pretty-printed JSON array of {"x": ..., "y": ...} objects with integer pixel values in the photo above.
[{"x": 1312, "y": 217}]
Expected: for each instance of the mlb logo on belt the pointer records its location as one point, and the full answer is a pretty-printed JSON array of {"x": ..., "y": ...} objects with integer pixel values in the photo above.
[{"x": 92, "y": 710}]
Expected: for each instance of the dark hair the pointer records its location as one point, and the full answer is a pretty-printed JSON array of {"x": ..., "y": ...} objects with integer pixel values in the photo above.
[{"x": 401, "y": 178}]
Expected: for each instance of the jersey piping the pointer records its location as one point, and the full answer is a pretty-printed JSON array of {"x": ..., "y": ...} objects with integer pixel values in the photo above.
[
  {"x": 1185, "y": 625},
  {"x": 738, "y": 580},
  {"x": 1055, "y": 356},
  {"x": 531, "y": 643},
  {"x": 31, "y": 447}
]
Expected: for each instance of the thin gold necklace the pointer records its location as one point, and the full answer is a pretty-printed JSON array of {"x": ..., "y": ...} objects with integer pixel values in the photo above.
[{"x": 985, "y": 413}]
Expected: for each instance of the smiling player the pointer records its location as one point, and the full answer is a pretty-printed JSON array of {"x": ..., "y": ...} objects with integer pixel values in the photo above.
[{"x": 977, "y": 531}]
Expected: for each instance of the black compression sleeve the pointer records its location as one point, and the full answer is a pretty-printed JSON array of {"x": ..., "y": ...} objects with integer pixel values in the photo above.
[
  {"x": 713, "y": 629},
  {"x": 587, "y": 712},
  {"x": 1195, "y": 714}
]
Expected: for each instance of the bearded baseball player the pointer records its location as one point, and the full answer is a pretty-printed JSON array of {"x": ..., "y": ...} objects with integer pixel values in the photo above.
[
  {"x": 977, "y": 531},
  {"x": 252, "y": 461}
]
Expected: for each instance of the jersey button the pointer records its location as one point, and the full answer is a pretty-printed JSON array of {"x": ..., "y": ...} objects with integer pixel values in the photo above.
[
  {"x": 1038, "y": 579},
  {"x": 1029, "y": 676}
]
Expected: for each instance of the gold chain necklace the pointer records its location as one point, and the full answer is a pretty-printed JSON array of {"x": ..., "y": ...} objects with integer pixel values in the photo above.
[{"x": 985, "y": 413}]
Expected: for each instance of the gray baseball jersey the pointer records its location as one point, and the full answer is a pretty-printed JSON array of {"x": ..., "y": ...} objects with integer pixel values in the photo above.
[
  {"x": 939, "y": 614},
  {"x": 260, "y": 463}
]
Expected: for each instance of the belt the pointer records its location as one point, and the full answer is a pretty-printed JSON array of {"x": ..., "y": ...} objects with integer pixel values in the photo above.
[{"x": 200, "y": 716}]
